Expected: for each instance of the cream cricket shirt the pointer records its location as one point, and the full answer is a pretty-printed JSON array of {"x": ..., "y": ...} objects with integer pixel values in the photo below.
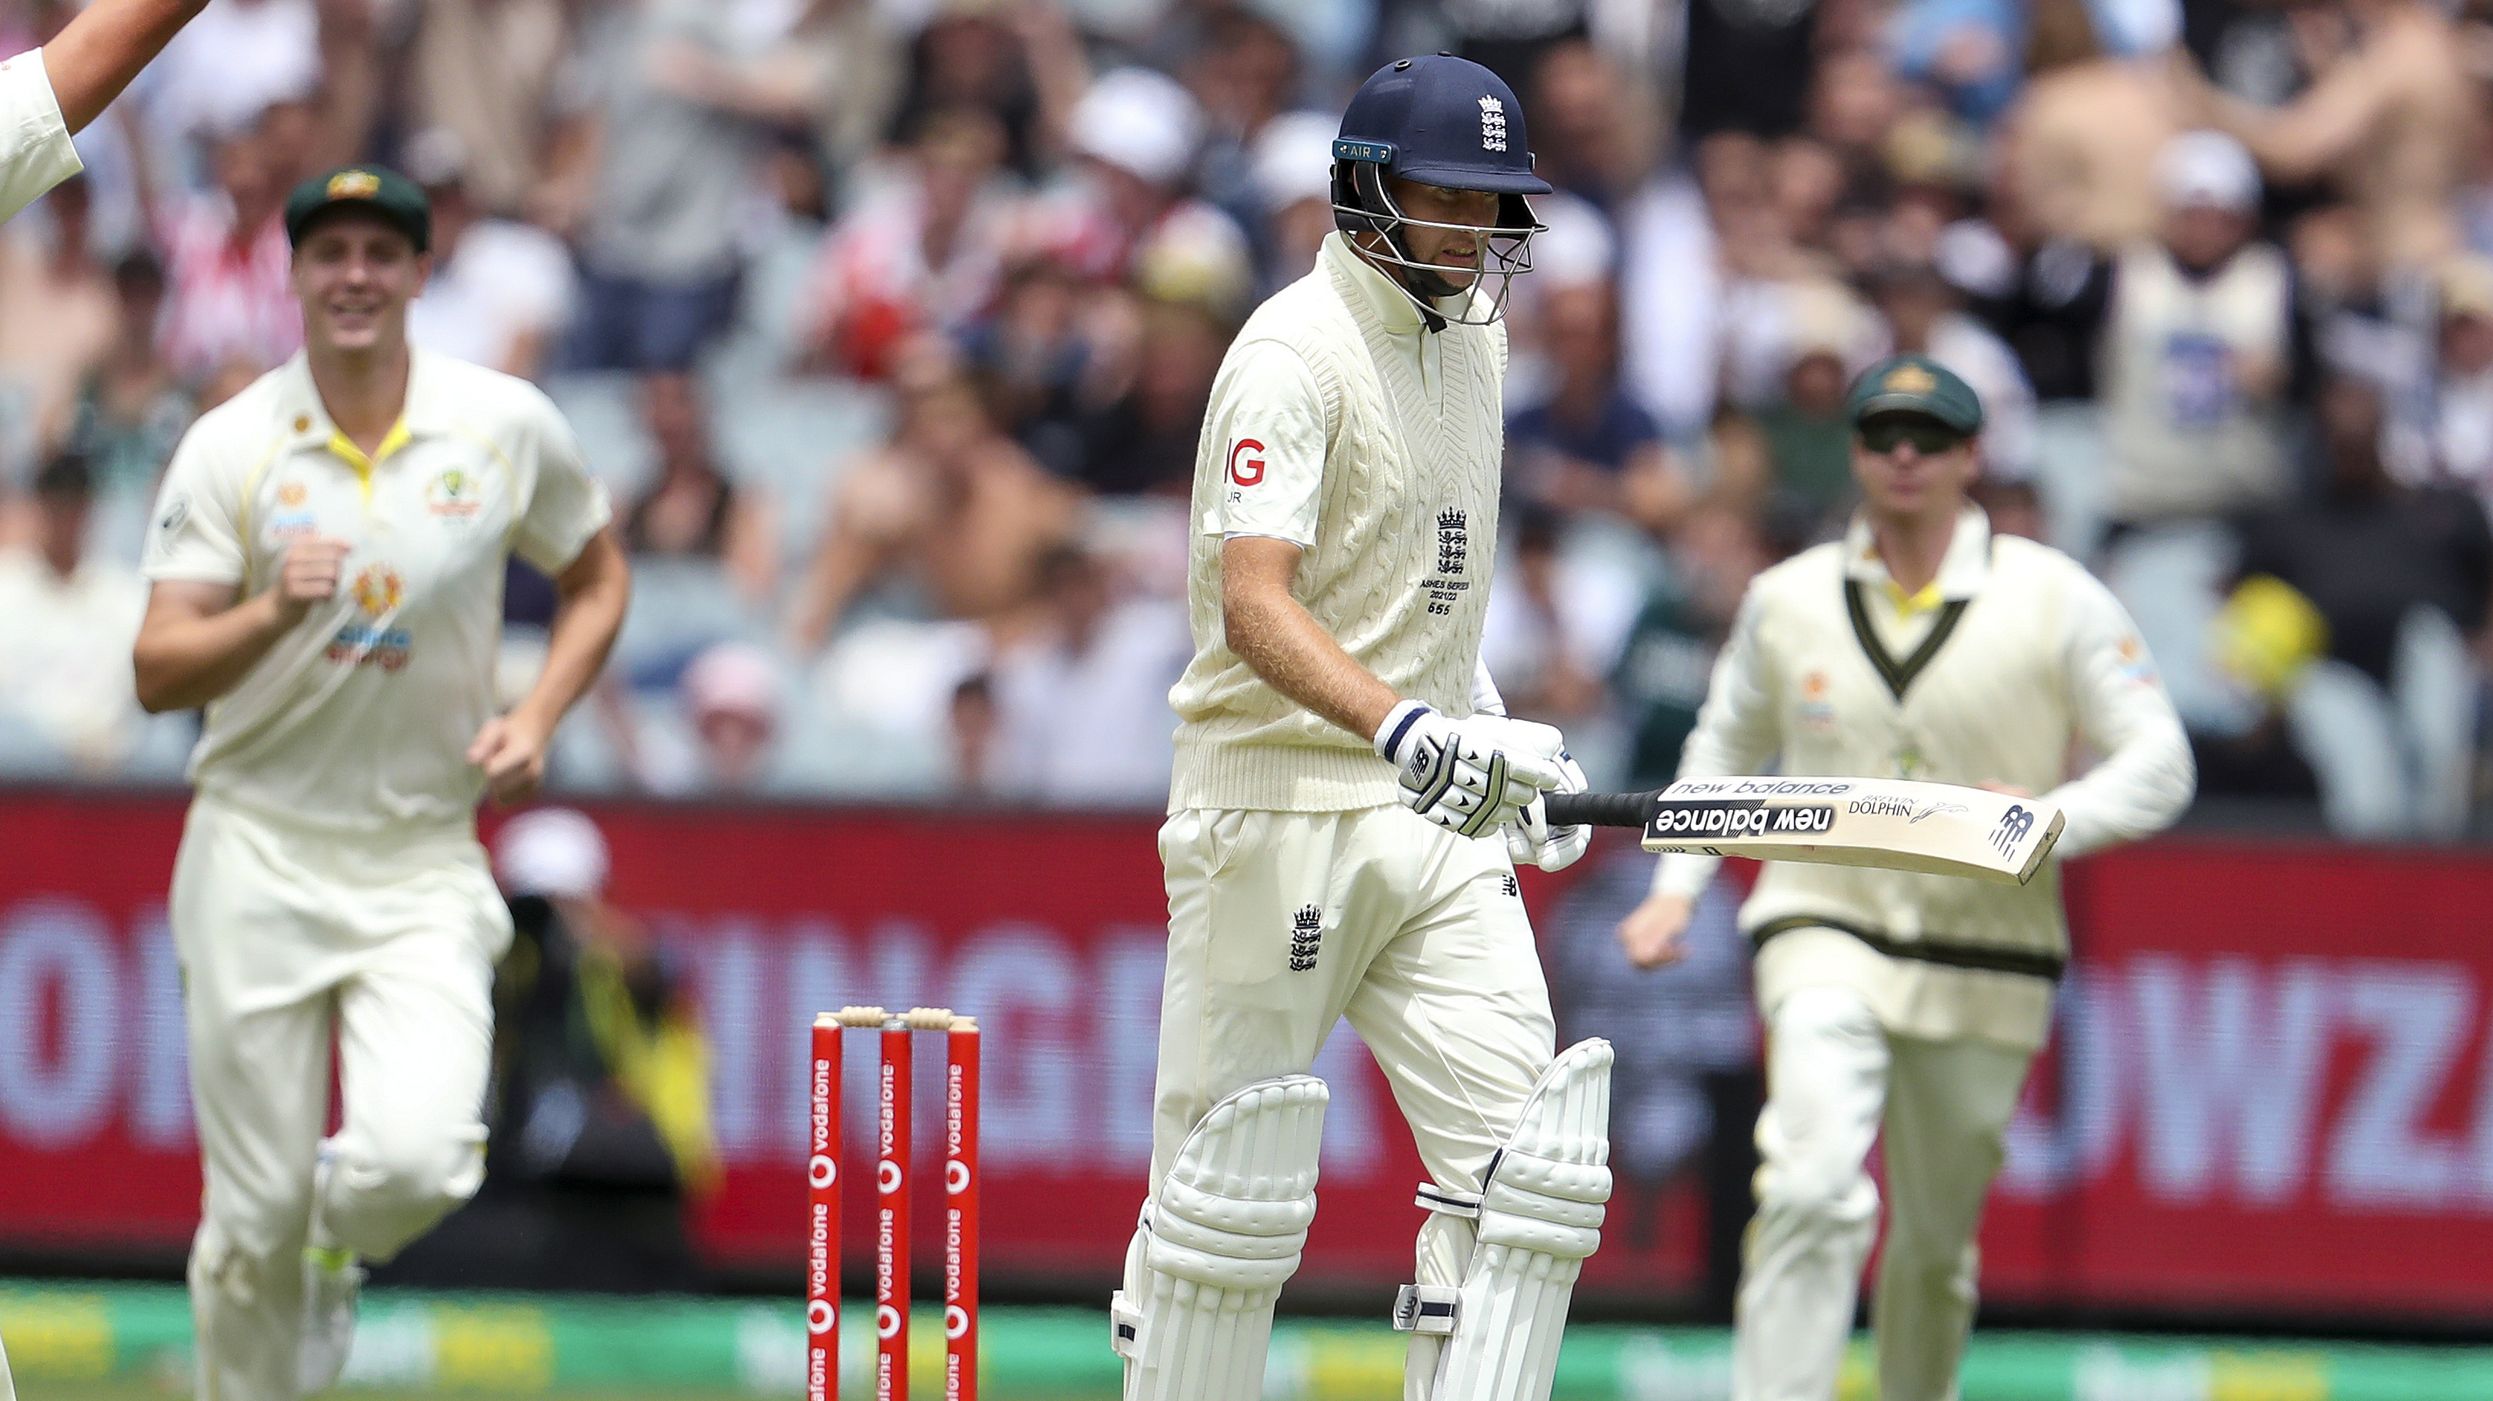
[
  {"x": 1341, "y": 423},
  {"x": 1996, "y": 673},
  {"x": 35, "y": 153},
  {"x": 359, "y": 719}
]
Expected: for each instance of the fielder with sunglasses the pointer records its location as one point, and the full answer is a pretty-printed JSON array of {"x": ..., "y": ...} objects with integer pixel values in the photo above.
[
  {"x": 1349, "y": 797},
  {"x": 1905, "y": 1008}
]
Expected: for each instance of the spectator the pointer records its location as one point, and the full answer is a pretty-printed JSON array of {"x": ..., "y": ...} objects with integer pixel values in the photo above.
[
  {"x": 1672, "y": 294},
  {"x": 1663, "y": 668},
  {"x": 733, "y": 698},
  {"x": 950, "y": 508},
  {"x": 1925, "y": 316},
  {"x": 1134, "y": 136},
  {"x": 1854, "y": 102},
  {"x": 655, "y": 183},
  {"x": 2197, "y": 343},
  {"x": 1510, "y": 36},
  {"x": 1025, "y": 67},
  {"x": 57, "y": 316},
  {"x": 1746, "y": 68},
  {"x": 2461, "y": 427},
  {"x": 1588, "y": 446},
  {"x": 920, "y": 253},
  {"x": 2079, "y": 146},
  {"x": 1598, "y": 129},
  {"x": 1976, "y": 52},
  {"x": 131, "y": 407},
  {"x": 971, "y": 732},
  {"x": 228, "y": 266},
  {"x": 1294, "y": 194},
  {"x": 834, "y": 80},
  {"x": 1806, "y": 429},
  {"x": 236, "y": 61},
  {"x": 501, "y": 291},
  {"x": 1035, "y": 357},
  {"x": 1095, "y": 655},
  {"x": 1555, "y": 625},
  {"x": 1244, "y": 73},
  {"x": 66, "y": 621},
  {"x": 1141, "y": 440},
  {"x": 2392, "y": 118},
  {"x": 2385, "y": 583},
  {"x": 485, "y": 71},
  {"x": 599, "y": 1116},
  {"x": 693, "y": 510}
]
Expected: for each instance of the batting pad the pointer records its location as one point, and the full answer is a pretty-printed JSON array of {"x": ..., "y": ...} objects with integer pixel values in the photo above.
[
  {"x": 1218, "y": 1240},
  {"x": 1539, "y": 1216}
]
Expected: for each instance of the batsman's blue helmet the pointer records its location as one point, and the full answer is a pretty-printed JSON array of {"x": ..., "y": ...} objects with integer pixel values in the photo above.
[{"x": 1444, "y": 121}]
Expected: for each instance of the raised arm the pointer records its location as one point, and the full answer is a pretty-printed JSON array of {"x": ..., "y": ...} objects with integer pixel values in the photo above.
[{"x": 97, "y": 53}]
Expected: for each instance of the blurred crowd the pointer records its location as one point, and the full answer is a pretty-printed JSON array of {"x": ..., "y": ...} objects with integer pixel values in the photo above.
[{"x": 891, "y": 324}]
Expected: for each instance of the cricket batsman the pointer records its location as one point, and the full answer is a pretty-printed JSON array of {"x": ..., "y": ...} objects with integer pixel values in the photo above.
[
  {"x": 1344, "y": 775},
  {"x": 1905, "y": 1007},
  {"x": 327, "y": 560}
]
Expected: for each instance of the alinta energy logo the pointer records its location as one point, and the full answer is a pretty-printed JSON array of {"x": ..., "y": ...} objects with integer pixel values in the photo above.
[{"x": 378, "y": 592}]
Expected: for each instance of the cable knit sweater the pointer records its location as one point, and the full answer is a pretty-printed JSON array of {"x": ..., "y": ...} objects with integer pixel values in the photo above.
[{"x": 1342, "y": 422}]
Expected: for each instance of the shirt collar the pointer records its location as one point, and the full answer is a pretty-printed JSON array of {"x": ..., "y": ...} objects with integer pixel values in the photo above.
[
  {"x": 1962, "y": 572},
  {"x": 306, "y": 421},
  {"x": 1358, "y": 277}
]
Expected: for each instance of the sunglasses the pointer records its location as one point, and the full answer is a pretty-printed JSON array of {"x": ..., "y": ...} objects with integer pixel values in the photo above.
[{"x": 1886, "y": 434}]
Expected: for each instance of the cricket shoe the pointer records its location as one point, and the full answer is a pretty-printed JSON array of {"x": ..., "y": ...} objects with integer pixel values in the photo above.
[{"x": 332, "y": 1283}]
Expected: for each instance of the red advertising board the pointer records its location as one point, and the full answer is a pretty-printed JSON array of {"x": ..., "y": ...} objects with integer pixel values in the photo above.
[
  {"x": 2272, "y": 1088},
  {"x": 1047, "y": 927}
]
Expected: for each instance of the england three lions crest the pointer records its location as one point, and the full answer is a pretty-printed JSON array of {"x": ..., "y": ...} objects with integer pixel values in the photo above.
[
  {"x": 1492, "y": 124},
  {"x": 1453, "y": 542}
]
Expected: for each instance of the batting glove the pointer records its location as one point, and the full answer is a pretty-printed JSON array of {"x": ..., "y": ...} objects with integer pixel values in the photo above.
[
  {"x": 1469, "y": 776},
  {"x": 1530, "y": 837}
]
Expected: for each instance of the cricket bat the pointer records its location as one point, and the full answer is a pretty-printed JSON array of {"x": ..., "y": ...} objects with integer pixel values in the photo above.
[{"x": 1938, "y": 828}]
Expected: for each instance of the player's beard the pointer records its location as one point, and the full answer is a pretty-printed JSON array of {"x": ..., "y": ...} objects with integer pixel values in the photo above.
[{"x": 1425, "y": 282}]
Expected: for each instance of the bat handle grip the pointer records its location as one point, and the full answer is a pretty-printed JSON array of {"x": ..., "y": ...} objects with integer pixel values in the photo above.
[{"x": 1601, "y": 809}]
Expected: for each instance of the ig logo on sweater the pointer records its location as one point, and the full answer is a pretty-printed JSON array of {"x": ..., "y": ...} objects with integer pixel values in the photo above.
[{"x": 1244, "y": 470}]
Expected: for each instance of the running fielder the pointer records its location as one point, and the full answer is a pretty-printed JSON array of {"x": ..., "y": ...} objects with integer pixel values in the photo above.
[
  {"x": 1905, "y": 1007},
  {"x": 1343, "y": 770},
  {"x": 327, "y": 559},
  {"x": 48, "y": 95}
]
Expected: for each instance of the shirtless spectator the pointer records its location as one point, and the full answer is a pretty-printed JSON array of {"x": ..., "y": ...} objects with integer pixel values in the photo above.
[
  {"x": 2391, "y": 116},
  {"x": 950, "y": 507}
]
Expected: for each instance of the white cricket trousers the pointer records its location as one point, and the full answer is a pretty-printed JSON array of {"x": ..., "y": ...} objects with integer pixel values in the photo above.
[
  {"x": 1836, "y": 1080},
  {"x": 1283, "y": 923},
  {"x": 293, "y": 939}
]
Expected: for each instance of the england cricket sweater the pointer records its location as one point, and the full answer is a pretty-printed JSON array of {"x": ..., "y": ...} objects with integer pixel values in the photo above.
[
  {"x": 1342, "y": 423},
  {"x": 1996, "y": 673}
]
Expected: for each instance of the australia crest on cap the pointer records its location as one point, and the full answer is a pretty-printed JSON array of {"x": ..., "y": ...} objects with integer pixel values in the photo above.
[
  {"x": 1909, "y": 379},
  {"x": 354, "y": 184}
]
